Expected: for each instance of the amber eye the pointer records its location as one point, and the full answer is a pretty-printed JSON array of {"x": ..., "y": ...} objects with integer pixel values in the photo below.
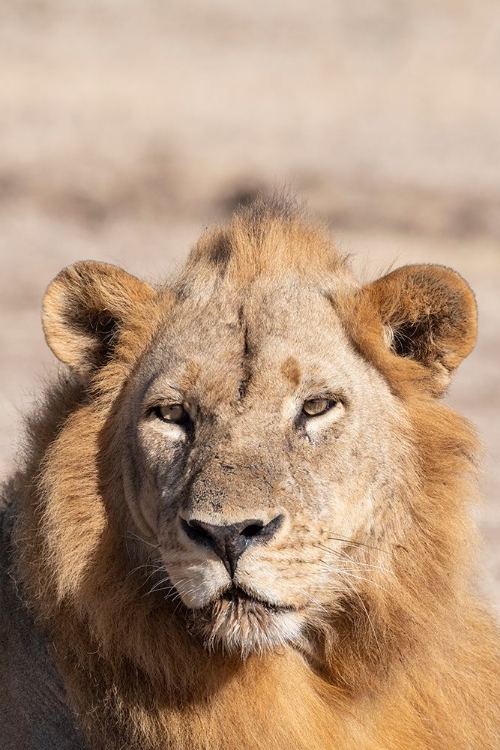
[
  {"x": 313, "y": 407},
  {"x": 175, "y": 413}
]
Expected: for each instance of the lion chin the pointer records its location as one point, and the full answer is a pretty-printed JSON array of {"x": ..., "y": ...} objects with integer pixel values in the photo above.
[{"x": 239, "y": 624}]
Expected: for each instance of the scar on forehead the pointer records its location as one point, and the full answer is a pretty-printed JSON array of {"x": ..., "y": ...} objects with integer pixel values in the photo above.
[
  {"x": 291, "y": 371},
  {"x": 190, "y": 376}
]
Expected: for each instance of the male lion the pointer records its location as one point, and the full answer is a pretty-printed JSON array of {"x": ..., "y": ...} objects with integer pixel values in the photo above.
[{"x": 242, "y": 519}]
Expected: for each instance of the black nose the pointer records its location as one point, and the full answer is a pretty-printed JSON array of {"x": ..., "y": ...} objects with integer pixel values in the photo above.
[{"x": 229, "y": 542}]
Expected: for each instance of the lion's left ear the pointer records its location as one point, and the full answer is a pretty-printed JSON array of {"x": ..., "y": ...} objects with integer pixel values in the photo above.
[
  {"x": 86, "y": 310},
  {"x": 429, "y": 315}
]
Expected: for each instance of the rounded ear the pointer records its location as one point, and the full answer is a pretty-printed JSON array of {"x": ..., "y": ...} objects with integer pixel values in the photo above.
[
  {"x": 429, "y": 315},
  {"x": 84, "y": 309}
]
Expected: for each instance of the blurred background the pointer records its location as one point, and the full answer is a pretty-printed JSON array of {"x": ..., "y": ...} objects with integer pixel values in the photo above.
[{"x": 126, "y": 126}]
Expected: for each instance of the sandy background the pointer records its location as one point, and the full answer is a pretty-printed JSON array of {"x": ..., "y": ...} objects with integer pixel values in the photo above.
[{"x": 128, "y": 125}]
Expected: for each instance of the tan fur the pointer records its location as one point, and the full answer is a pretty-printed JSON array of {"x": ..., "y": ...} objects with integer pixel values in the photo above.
[{"x": 380, "y": 641}]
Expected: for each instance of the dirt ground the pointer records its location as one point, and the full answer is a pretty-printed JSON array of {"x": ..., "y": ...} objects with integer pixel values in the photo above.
[{"x": 126, "y": 127}]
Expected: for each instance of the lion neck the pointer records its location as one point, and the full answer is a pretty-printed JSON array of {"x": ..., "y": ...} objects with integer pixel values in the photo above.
[{"x": 218, "y": 703}]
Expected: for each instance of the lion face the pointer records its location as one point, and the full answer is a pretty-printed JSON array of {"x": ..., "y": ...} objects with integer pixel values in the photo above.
[
  {"x": 258, "y": 431},
  {"x": 260, "y": 443}
]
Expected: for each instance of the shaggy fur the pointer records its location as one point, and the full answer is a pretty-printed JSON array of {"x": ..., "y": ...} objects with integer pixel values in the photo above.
[{"x": 353, "y": 623}]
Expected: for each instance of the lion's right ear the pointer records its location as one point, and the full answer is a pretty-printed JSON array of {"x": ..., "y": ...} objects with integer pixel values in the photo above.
[{"x": 86, "y": 307}]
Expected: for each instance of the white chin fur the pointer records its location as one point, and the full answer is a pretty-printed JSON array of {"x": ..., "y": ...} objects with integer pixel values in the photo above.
[{"x": 245, "y": 627}]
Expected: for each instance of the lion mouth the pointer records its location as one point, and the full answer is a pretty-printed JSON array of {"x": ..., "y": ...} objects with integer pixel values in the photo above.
[
  {"x": 239, "y": 622},
  {"x": 238, "y": 595}
]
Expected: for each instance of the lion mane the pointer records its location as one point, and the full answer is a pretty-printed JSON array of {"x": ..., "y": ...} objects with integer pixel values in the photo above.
[{"x": 341, "y": 612}]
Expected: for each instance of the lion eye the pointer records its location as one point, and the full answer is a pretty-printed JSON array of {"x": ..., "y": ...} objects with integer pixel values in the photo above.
[
  {"x": 172, "y": 413},
  {"x": 313, "y": 407}
]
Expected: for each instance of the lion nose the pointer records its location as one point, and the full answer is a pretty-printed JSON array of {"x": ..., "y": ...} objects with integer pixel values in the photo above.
[{"x": 229, "y": 542}]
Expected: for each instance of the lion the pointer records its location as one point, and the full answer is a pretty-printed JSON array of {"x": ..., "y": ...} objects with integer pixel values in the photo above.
[{"x": 243, "y": 515}]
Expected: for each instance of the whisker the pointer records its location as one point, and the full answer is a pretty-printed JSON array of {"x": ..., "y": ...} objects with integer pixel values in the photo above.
[
  {"x": 141, "y": 566},
  {"x": 157, "y": 584},
  {"x": 344, "y": 555},
  {"x": 355, "y": 543},
  {"x": 131, "y": 535},
  {"x": 345, "y": 574},
  {"x": 312, "y": 599}
]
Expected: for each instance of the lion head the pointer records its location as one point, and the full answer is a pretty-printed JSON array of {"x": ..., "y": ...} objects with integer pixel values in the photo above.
[{"x": 252, "y": 446}]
